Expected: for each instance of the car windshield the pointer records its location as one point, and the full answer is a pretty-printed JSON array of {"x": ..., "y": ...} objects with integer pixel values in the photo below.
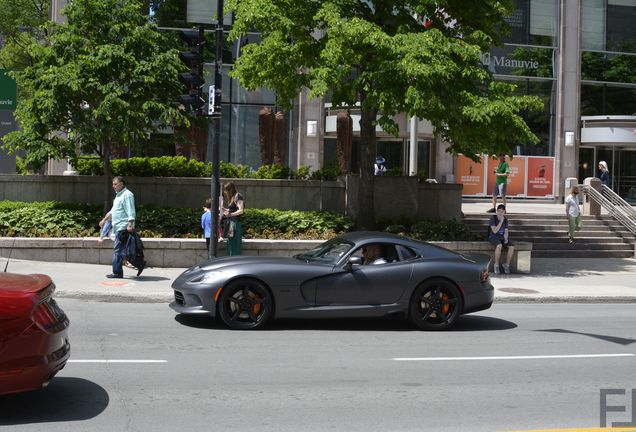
[{"x": 329, "y": 252}]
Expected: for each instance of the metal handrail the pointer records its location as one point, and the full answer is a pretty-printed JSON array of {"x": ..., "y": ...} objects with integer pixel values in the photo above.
[{"x": 620, "y": 209}]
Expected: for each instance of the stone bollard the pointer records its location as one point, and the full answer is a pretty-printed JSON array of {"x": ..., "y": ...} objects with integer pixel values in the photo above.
[{"x": 591, "y": 207}]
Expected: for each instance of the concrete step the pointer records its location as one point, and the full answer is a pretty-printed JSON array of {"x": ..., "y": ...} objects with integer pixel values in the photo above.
[
  {"x": 582, "y": 245},
  {"x": 582, "y": 237},
  {"x": 574, "y": 253},
  {"x": 552, "y": 221}
]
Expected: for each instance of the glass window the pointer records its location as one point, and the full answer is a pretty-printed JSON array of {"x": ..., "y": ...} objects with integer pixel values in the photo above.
[
  {"x": 606, "y": 99},
  {"x": 533, "y": 22},
  {"x": 621, "y": 31},
  {"x": 405, "y": 253}
]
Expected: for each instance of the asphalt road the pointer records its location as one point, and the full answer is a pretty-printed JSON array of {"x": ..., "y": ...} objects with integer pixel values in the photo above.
[{"x": 138, "y": 367}]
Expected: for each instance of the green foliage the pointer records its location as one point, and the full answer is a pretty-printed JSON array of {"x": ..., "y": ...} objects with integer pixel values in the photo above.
[
  {"x": 22, "y": 22},
  {"x": 429, "y": 230},
  {"x": 326, "y": 173},
  {"x": 302, "y": 173},
  {"x": 48, "y": 219},
  {"x": 273, "y": 171},
  {"x": 54, "y": 219},
  {"x": 270, "y": 223},
  {"x": 229, "y": 170},
  {"x": 106, "y": 76},
  {"x": 21, "y": 167}
]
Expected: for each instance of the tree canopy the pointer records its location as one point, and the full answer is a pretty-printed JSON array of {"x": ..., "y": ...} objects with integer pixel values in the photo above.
[
  {"x": 104, "y": 78},
  {"x": 21, "y": 24},
  {"x": 416, "y": 57}
]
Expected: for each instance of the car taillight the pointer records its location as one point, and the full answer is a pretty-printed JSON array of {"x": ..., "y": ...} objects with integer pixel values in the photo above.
[{"x": 46, "y": 314}]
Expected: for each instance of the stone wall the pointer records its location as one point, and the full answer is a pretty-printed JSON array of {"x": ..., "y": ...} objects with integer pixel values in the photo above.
[{"x": 394, "y": 196}]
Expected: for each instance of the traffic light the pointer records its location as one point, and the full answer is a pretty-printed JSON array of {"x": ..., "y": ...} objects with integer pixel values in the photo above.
[{"x": 193, "y": 80}]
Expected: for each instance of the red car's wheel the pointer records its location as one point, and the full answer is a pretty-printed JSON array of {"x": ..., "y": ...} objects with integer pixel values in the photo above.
[
  {"x": 435, "y": 305},
  {"x": 245, "y": 304}
]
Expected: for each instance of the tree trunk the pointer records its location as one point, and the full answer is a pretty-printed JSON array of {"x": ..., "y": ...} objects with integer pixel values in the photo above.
[
  {"x": 108, "y": 174},
  {"x": 344, "y": 137},
  {"x": 266, "y": 134},
  {"x": 366, "y": 210},
  {"x": 280, "y": 138}
]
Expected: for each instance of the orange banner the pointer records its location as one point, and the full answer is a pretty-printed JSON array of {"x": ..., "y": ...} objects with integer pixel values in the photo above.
[
  {"x": 516, "y": 179},
  {"x": 540, "y": 176},
  {"x": 470, "y": 174}
]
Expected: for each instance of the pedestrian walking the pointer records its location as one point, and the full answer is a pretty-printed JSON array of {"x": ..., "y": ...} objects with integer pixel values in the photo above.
[
  {"x": 573, "y": 212},
  {"x": 604, "y": 175},
  {"x": 499, "y": 236},
  {"x": 122, "y": 216},
  {"x": 379, "y": 167},
  {"x": 232, "y": 225},
  {"x": 501, "y": 182},
  {"x": 206, "y": 222}
]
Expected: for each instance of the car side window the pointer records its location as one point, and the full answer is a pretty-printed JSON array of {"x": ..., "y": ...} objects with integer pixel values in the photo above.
[
  {"x": 376, "y": 254},
  {"x": 405, "y": 253}
]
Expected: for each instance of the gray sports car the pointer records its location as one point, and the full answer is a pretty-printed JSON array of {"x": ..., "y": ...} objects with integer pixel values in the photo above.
[{"x": 359, "y": 274}]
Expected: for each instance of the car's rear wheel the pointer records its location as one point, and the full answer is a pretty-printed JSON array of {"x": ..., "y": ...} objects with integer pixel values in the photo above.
[
  {"x": 435, "y": 305},
  {"x": 245, "y": 304}
]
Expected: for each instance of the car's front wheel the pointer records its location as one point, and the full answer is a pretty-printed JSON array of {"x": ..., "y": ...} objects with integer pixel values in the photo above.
[
  {"x": 435, "y": 305},
  {"x": 245, "y": 304}
]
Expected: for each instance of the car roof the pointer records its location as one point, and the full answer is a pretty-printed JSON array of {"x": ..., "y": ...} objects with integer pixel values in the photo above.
[{"x": 374, "y": 236}]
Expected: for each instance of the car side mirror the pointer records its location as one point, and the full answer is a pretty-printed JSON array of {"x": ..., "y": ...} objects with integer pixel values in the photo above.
[{"x": 354, "y": 260}]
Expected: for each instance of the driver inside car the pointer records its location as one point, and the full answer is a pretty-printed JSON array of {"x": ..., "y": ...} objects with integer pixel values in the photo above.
[{"x": 373, "y": 254}]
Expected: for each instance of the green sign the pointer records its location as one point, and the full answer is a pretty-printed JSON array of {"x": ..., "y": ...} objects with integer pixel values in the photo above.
[{"x": 8, "y": 91}]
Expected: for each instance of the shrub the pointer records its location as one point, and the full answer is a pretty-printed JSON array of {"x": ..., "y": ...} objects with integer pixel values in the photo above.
[
  {"x": 273, "y": 171},
  {"x": 54, "y": 219}
]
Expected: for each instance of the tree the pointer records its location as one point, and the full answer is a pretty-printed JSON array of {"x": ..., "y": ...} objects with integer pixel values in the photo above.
[
  {"x": 21, "y": 24},
  {"x": 102, "y": 79},
  {"x": 417, "y": 57}
]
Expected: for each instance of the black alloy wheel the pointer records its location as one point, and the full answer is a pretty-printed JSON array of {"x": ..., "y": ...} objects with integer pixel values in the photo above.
[
  {"x": 435, "y": 305},
  {"x": 245, "y": 304}
]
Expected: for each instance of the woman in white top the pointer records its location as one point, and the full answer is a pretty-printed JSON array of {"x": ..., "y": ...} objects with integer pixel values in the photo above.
[{"x": 573, "y": 212}]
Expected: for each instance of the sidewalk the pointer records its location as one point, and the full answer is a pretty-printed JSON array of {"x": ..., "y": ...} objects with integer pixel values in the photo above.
[{"x": 551, "y": 280}]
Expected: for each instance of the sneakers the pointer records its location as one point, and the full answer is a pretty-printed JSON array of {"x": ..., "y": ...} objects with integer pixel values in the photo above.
[
  {"x": 506, "y": 268},
  {"x": 114, "y": 276},
  {"x": 492, "y": 210},
  {"x": 497, "y": 269}
]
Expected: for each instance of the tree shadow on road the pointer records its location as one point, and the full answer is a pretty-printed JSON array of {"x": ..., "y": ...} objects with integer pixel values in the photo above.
[{"x": 66, "y": 399}]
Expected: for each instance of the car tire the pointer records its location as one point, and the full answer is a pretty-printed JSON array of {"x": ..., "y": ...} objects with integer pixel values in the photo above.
[
  {"x": 245, "y": 304},
  {"x": 435, "y": 305}
]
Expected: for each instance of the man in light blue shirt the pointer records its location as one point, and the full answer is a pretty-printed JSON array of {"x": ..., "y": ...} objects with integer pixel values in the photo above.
[{"x": 122, "y": 215}]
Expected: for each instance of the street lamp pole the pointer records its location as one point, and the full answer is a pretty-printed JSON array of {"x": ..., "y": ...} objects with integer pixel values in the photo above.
[{"x": 218, "y": 63}]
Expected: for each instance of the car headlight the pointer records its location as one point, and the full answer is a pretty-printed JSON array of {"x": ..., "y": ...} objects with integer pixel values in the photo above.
[{"x": 205, "y": 277}]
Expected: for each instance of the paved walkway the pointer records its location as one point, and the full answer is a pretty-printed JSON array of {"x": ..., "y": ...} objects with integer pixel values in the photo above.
[
  {"x": 513, "y": 206},
  {"x": 551, "y": 280}
]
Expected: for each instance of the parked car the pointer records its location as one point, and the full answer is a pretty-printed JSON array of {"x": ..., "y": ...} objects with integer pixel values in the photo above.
[
  {"x": 427, "y": 284},
  {"x": 34, "y": 342}
]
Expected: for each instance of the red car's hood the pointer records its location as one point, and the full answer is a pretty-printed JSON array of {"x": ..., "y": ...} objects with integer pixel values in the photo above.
[{"x": 12, "y": 284}]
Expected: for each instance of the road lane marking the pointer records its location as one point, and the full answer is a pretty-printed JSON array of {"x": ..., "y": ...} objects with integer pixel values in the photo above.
[
  {"x": 117, "y": 361},
  {"x": 537, "y": 357}
]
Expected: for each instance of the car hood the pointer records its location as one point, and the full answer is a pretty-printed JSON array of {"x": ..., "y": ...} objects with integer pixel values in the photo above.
[
  {"x": 12, "y": 284},
  {"x": 223, "y": 262}
]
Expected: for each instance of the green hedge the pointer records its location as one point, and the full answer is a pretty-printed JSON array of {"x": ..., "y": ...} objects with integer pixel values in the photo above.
[
  {"x": 54, "y": 219},
  {"x": 179, "y": 166}
]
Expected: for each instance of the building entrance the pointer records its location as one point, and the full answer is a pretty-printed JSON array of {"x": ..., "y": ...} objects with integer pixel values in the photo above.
[{"x": 621, "y": 162}]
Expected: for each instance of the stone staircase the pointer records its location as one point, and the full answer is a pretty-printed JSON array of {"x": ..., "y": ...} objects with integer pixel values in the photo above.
[{"x": 600, "y": 236}]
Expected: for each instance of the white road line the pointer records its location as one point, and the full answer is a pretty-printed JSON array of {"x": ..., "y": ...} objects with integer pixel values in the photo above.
[
  {"x": 538, "y": 357},
  {"x": 117, "y": 361}
]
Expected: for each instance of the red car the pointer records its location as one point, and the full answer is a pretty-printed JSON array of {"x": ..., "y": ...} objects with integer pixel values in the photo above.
[{"x": 33, "y": 333}]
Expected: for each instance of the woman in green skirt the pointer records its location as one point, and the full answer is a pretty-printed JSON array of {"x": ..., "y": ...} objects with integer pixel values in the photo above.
[{"x": 233, "y": 228}]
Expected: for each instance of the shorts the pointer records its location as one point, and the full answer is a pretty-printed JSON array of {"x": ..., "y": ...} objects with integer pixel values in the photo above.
[
  {"x": 499, "y": 190},
  {"x": 497, "y": 240}
]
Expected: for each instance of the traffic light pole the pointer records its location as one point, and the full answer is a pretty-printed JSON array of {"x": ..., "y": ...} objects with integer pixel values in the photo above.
[{"x": 216, "y": 189}]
